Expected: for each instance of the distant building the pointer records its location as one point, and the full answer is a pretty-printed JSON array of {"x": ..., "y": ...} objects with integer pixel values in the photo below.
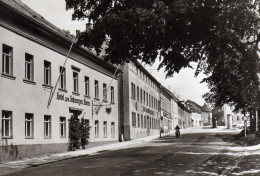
[
  {"x": 184, "y": 116},
  {"x": 195, "y": 113},
  {"x": 166, "y": 119},
  {"x": 224, "y": 116},
  {"x": 139, "y": 102}
]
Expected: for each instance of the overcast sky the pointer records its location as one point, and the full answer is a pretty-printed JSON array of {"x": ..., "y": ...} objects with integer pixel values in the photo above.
[{"x": 183, "y": 84}]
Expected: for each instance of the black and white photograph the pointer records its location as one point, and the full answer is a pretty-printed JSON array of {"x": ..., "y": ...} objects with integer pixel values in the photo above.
[{"x": 129, "y": 87}]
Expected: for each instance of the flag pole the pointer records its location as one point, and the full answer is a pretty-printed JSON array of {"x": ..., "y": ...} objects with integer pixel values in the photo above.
[{"x": 62, "y": 69}]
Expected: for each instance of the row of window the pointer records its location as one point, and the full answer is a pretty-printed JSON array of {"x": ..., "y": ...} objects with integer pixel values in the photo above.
[
  {"x": 143, "y": 76},
  {"x": 104, "y": 129},
  {"x": 29, "y": 126},
  {"x": 141, "y": 121},
  {"x": 7, "y": 69},
  {"x": 143, "y": 97}
]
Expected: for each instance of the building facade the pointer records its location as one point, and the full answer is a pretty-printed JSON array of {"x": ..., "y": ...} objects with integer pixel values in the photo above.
[
  {"x": 139, "y": 102},
  {"x": 195, "y": 113},
  {"x": 224, "y": 116},
  {"x": 34, "y": 112},
  {"x": 166, "y": 118}
]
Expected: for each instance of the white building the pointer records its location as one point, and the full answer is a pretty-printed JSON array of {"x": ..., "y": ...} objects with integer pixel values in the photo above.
[
  {"x": 139, "y": 102},
  {"x": 33, "y": 56}
]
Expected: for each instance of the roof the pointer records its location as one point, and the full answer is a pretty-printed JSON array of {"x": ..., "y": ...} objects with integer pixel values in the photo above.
[
  {"x": 194, "y": 104},
  {"x": 146, "y": 72},
  {"x": 170, "y": 93},
  {"x": 206, "y": 108},
  {"x": 19, "y": 7}
]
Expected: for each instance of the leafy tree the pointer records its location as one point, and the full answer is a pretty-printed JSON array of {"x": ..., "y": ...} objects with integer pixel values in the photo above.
[{"x": 220, "y": 35}]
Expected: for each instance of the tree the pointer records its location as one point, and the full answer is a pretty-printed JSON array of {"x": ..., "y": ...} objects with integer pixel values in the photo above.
[{"x": 220, "y": 35}]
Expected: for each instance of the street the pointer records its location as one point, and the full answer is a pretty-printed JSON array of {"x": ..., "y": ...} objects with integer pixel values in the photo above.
[{"x": 191, "y": 154}]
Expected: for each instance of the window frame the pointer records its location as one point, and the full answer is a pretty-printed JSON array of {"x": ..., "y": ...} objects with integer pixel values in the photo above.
[
  {"x": 10, "y": 60},
  {"x": 112, "y": 91},
  {"x": 96, "y": 129},
  {"x": 29, "y": 62},
  {"x": 105, "y": 129},
  {"x": 105, "y": 92},
  {"x": 62, "y": 77},
  {"x": 86, "y": 86},
  {"x": 113, "y": 129},
  {"x": 62, "y": 123},
  {"x": 47, "y": 71},
  {"x": 75, "y": 76},
  {"x": 133, "y": 119},
  {"x": 31, "y": 124},
  {"x": 48, "y": 123},
  {"x": 96, "y": 84},
  {"x": 10, "y": 124}
]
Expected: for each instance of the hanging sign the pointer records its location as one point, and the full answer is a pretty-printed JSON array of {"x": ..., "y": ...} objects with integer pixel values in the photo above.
[{"x": 72, "y": 99}]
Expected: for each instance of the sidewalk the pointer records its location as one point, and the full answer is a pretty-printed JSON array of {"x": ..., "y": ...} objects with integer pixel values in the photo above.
[{"x": 14, "y": 166}]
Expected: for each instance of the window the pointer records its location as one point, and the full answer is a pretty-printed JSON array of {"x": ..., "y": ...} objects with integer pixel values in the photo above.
[
  {"x": 147, "y": 99},
  {"x": 105, "y": 128},
  {"x": 63, "y": 78},
  {"x": 96, "y": 129},
  {"x": 6, "y": 123},
  {"x": 133, "y": 119},
  {"x": 144, "y": 97},
  {"x": 133, "y": 90},
  {"x": 87, "y": 86},
  {"x": 112, "y": 95},
  {"x": 7, "y": 60},
  {"x": 142, "y": 121},
  {"x": 62, "y": 126},
  {"x": 47, "y": 126},
  {"x": 96, "y": 90},
  {"x": 28, "y": 125},
  {"x": 28, "y": 67},
  {"x": 47, "y": 73},
  {"x": 113, "y": 129},
  {"x": 141, "y": 95},
  {"x": 138, "y": 120},
  {"x": 104, "y": 92},
  {"x": 75, "y": 82},
  {"x": 137, "y": 93}
]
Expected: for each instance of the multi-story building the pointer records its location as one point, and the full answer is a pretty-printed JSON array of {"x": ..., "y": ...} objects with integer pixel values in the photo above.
[
  {"x": 224, "y": 116},
  {"x": 165, "y": 100},
  {"x": 195, "y": 113},
  {"x": 33, "y": 122},
  {"x": 184, "y": 115},
  {"x": 139, "y": 102}
]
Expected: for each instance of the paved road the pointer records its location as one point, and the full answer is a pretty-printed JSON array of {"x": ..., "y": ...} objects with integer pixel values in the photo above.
[{"x": 192, "y": 154}]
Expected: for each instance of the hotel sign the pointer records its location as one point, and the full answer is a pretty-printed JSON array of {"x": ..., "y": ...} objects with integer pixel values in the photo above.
[{"x": 72, "y": 99}]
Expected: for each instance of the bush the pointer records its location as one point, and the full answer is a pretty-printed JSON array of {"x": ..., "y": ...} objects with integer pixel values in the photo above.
[
  {"x": 84, "y": 132},
  {"x": 78, "y": 133}
]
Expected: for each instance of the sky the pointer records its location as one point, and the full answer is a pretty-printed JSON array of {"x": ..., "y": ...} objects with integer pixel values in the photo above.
[{"x": 184, "y": 85}]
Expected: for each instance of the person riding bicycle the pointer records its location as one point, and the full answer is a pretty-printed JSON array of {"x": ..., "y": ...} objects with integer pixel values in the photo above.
[{"x": 177, "y": 132}]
